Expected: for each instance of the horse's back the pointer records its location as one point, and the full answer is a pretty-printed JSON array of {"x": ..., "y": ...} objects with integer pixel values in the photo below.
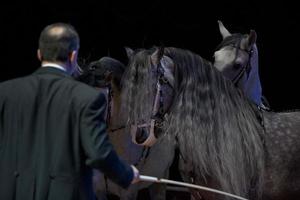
[
  {"x": 282, "y": 130},
  {"x": 282, "y": 143}
]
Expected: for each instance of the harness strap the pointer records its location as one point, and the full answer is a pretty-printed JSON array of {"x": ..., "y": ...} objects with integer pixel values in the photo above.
[{"x": 237, "y": 78}]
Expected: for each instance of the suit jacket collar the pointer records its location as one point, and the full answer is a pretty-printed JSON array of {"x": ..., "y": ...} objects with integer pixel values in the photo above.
[{"x": 52, "y": 70}]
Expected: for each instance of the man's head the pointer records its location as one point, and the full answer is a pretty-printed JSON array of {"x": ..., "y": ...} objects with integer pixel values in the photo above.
[{"x": 59, "y": 43}]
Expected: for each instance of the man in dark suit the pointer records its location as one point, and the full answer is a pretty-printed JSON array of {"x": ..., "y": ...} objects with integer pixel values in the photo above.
[{"x": 52, "y": 130}]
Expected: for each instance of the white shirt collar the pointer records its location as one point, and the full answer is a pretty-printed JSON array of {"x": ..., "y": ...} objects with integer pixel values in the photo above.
[{"x": 54, "y": 65}]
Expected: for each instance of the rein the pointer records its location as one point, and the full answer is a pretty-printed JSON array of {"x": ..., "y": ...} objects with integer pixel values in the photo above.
[
  {"x": 111, "y": 130},
  {"x": 109, "y": 109}
]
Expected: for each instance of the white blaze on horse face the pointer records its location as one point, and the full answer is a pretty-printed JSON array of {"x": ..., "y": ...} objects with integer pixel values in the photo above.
[
  {"x": 223, "y": 57},
  {"x": 230, "y": 61},
  {"x": 223, "y": 61}
]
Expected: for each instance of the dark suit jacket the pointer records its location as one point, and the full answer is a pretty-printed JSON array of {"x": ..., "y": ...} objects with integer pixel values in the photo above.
[{"x": 52, "y": 133}]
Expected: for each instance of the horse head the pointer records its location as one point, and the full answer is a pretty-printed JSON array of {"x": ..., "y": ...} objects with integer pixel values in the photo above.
[
  {"x": 237, "y": 58},
  {"x": 148, "y": 93},
  {"x": 105, "y": 74}
]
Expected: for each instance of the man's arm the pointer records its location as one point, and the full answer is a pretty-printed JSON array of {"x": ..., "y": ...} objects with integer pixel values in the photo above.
[{"x": 98, "y": 149}]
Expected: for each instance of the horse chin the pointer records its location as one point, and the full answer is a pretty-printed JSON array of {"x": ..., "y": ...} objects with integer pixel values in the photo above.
[{"x": 142, "y": 135}]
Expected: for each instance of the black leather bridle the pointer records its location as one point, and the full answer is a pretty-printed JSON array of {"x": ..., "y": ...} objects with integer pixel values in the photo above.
[
  {"x": 158, "y": 112},
  {"x": 230, "y": 42},
  {"x": 246, "y": 68}
]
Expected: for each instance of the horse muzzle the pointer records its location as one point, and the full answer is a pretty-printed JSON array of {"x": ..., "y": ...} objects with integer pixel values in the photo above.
[{"x": 143, "y": 134}]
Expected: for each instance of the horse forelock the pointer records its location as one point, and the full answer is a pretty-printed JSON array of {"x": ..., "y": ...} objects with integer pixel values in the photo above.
[
  {"x": 137, "y": 87},
  {"x": 217, "y": 129}
]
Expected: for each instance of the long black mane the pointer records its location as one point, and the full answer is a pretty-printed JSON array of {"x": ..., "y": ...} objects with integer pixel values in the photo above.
[{"x": 216, "y": 126}]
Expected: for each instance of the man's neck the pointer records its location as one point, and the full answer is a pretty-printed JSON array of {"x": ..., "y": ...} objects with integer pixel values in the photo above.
[{"x": 57, "y": 65}]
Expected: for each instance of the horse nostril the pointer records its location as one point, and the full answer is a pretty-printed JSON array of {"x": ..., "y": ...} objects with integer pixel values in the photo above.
[{"x": 141, "y": 135}]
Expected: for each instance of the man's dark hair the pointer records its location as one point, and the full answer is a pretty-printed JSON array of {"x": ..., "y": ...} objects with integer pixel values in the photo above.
[{"x": 57, "y": 41}]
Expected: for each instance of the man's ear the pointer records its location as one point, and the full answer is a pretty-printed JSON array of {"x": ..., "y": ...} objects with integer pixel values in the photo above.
[
  {"x": 39, "y": 55},
  {"x": 73, "y": 56}
]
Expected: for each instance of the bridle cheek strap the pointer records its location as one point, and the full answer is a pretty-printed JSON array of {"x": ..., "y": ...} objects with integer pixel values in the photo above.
[
  {"x": 151, "y": 138},
  {"x": 246, "y": 68}
]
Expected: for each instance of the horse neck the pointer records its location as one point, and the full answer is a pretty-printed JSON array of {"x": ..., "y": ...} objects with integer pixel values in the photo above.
[
  {"x": 115, "y": 107},
  {"x": 252, "y": 88},
  {"x": 121, "y": 138}
]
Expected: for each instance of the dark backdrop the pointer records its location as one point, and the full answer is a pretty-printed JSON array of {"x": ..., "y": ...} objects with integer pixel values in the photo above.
[{"x": 106, "y": 27}]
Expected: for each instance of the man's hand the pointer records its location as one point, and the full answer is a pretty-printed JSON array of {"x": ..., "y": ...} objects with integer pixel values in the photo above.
[{"x": 136, "y": 175}]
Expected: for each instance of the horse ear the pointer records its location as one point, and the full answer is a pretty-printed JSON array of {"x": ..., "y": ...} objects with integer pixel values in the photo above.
[
  {"x": 224, "y": 32},
  {"x": 157, "y": 55},
  {"x": 252, "y": 38},
  {"x": 129, "y": 52}
]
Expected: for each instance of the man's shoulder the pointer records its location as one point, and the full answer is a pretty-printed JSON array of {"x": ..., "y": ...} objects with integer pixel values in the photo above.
[
  {"x": 75, "y": 90},
  {"x": 84, "y": 88},
  {"x": 12, "y": 83},
  {"x": 85, "y": 93}
]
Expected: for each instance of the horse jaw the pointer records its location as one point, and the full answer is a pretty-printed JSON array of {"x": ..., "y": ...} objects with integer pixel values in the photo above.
[{"x": 224, "y": 32}]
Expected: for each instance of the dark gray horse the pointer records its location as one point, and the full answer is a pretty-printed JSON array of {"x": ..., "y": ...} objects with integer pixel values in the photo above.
[
  {"x": 105, "y": 74},
  {"x": 224, "y": 140}
]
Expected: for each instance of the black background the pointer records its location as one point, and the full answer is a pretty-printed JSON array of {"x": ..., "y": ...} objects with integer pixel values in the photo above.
[{"x": 105, "y": 27}]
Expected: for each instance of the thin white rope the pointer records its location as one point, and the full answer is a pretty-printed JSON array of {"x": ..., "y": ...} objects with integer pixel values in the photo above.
[{"x": 157, "y": 180}]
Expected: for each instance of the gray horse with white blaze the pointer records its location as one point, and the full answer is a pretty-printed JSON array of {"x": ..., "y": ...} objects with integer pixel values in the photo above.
[{"x": 237, "y": 58}]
